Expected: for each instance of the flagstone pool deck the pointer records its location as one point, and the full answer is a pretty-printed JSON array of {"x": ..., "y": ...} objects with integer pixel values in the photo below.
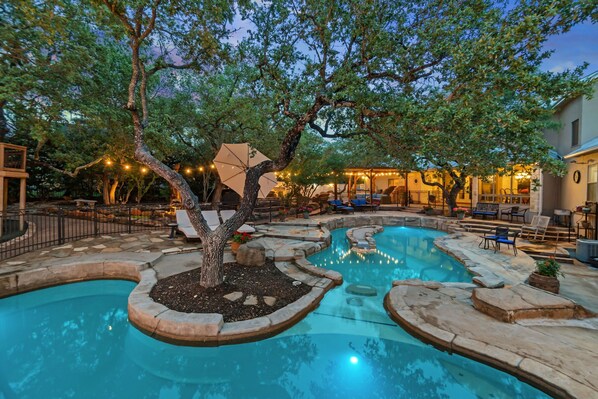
[{"x": 559, "y": 356}]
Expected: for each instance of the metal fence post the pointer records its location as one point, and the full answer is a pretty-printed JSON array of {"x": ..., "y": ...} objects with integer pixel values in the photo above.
[
  {"x": 60, "y": 226},
  {"x": 96, "y": 226},
  {"x": 130, "y": 220}
]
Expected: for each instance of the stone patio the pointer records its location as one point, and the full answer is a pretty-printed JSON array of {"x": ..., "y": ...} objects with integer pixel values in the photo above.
[{"x": 556, "y": 355}]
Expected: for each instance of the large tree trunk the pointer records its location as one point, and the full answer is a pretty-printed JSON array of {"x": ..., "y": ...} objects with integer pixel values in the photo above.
[
  {"x": 212, "y": 272},
  {"x": 113, "y": 188},
  {"x": 106, "y": 189}
]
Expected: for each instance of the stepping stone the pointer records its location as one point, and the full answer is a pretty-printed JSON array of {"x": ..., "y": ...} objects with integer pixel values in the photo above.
[
  {"x": 155, "y": 240},
  {"x": 63, "y": 247},
  {"x": 79, "y": 249},
  {"x": 111, "y": 250},
  {"x": 171, "y": 250},
  {"x": 142, "y": 251},
  {"x": 107, "y": 237},
  {"x": 363, "y": 290},
  {"x": 130, "y": 245},
  {"x": 233, "y": 296},
  {"x": 63, "y": 253},
  {"x": 296, "y": 283},
  {"x": 269, "y": 300},
  {"x": 131, "y": 239},
  {"x": 15, "y": 263},
  {"x": 101, "y": 246},
  {"x": 354, "y": 301},
  {"x": 44, "y": 252},
  {"x": 489, "y": 281},
  {"x": 88, "y": 239},
  {"x": 250, "y": 300}
]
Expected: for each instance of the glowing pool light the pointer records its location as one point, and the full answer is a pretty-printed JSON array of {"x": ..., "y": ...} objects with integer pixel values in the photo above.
[{"x": 354, "y": 360}]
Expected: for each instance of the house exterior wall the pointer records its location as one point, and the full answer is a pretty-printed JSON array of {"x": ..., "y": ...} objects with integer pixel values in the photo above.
[{"x": 564, "y": 193}]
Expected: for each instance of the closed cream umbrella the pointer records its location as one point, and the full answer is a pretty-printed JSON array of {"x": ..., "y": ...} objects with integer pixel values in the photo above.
[{"x": 232, "y": 162}]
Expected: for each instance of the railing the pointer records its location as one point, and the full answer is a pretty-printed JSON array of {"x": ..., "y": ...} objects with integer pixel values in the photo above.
[
  {"x": 12, "y": 157},
  {"x": 29, "y": 230}
]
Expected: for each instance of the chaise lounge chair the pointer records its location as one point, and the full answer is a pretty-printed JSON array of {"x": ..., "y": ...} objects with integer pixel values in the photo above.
[
  {"x": 245, "y": 228},
  {"x": 185, "y": 226}
]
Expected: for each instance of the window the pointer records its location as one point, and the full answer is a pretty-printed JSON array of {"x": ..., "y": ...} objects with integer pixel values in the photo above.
[
  {"x": 592, "y": 183},
  {"x": 575, "y": 133}
]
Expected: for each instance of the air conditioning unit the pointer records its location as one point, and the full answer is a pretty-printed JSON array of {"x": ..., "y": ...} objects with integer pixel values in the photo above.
[{"x": 586, "y": 250}]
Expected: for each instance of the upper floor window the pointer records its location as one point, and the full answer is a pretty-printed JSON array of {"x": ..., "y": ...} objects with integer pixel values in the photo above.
[{"x": 575, "y": 133}]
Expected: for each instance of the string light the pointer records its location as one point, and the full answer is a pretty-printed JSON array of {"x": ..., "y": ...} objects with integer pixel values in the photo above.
[
  {"x": 143, "y": 170},
  {"x": 108, "y": 162},
  {"x": 127, "y": 167}
]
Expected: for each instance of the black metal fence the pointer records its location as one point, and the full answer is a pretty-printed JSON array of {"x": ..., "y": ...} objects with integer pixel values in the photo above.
[{"x": 28, "y": 230}]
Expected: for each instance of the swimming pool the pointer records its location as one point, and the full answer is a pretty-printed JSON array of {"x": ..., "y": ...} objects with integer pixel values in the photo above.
[{"x": 75, "y": 341}]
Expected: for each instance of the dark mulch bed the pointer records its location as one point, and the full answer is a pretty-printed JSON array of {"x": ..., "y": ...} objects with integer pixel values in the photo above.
[{"x": 183, "y": 293}]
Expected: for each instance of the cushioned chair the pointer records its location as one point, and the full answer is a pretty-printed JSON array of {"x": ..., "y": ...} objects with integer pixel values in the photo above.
[
  {"x": 185, "y": 226},
  {"x": 227, "y": 214},
  {"x": 338, "y": 206},
  {"x": 504, "y": 239},
  {"x": 499, "y": 232}
]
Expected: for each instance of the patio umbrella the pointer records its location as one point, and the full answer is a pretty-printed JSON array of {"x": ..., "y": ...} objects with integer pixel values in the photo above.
[{"x": 232, "y": 162}]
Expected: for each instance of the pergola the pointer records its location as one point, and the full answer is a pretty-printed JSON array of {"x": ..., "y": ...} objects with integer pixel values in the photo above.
[{"x": 13, "y": 160}]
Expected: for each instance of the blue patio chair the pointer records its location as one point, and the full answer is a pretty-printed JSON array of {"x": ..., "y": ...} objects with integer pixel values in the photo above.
[
  {"x": 338, "y": 206},
  {"x": 505, "y": 240}
]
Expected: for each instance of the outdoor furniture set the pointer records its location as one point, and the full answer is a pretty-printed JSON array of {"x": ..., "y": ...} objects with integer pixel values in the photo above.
[
  {"x": 501, "y": 235},
  {"x": 339, "y": 207},
  {"x": 361, "y": 204},
  {"x": 211, "y": 217}
]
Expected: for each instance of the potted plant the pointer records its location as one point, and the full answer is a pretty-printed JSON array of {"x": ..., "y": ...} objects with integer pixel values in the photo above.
[
  {"x": 428, "y": 210},
  {"x": 546, "y": 275},
  {"x": 238, "y": 239},
  {"x": 460, "y": 212},
  {"x": 305, "y": 210},
  {"x": 282, "y": 214}
]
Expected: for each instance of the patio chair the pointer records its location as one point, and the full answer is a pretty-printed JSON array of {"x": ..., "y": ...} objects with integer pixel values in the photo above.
[
  {"x": 514, "y": 212},
  {"x": 227, "y": 214},
  {"x": 499, "y": 232},
  {"x": 338, "y": 206},
  {"x": 538, "y": 226},
  {"x": 504, "y": 239},
  {"x": 185, "y": 226}
]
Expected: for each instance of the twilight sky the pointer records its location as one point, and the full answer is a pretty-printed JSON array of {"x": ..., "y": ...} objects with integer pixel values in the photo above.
[{"x": 573, "y": 48}]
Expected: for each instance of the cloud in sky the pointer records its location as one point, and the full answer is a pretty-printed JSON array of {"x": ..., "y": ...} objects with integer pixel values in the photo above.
[{"x": 573, "y": 49}]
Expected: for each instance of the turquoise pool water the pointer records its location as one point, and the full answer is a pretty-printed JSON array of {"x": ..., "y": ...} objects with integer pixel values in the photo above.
[{"x": 74, "y": 341}]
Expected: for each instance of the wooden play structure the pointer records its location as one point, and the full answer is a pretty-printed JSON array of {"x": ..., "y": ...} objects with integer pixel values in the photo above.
[{"x": 13, "y": 160}]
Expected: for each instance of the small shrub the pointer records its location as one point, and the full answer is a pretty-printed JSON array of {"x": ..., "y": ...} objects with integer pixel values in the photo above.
[
  {"x": 241, "y": 238},
  {"x": 549, "y": 267}
]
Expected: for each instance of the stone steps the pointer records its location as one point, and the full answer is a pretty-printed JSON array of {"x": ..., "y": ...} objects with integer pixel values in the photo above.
[{"x": 553, "y": 233}]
